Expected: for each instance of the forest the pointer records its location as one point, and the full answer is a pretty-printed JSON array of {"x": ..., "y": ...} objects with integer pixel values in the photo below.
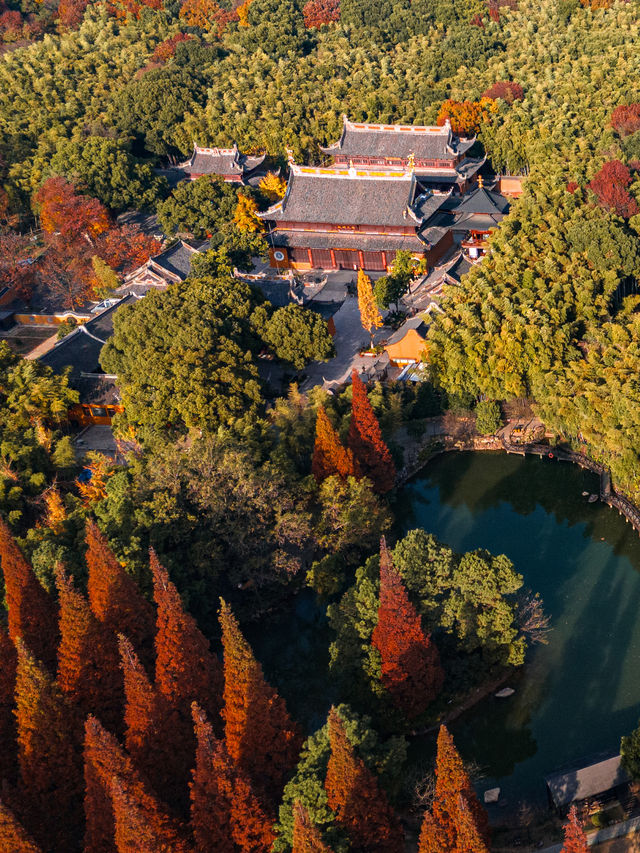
[{"x": 127, "y": 671}]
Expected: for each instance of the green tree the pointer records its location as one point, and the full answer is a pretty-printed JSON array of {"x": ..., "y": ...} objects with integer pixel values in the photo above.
[
  {"x": 630, "y": 752},
  {"x": 198, "y": 207},
  {"x": 488, "y": 417},
  {"x": 299, "y": 336}
]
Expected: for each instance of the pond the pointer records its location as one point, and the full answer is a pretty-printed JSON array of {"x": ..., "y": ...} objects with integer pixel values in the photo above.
[{"x": 579, "y": 693}]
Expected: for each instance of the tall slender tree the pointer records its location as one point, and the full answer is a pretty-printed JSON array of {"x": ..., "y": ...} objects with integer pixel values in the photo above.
[
  {"x": 50, "y": 778},
  {"x": 411, "y": 670},
  {"x": 8, "y": 755},
  {"x": 260, "y": 735},
  {"x": 226, "y": 815},
  {"x": 13, "y": 836},
  {"x": 329, "y": 455},
  {"x": 141, "y": 824},
  {"x": 365, "y": 440},
  {"x": 433, "y": 839},
  {"x": 470, "y": 839},
  {"x": 306, "y": 836},
  {"x": 32, "y": 611},
  {"x": 575, "y": 840},
  {"x": 452, "y": 783},
  {"x": 115, "y": 597},
  {"x": 88, "y": 663},
  {"x": 370, "y": 316},
  {"x": 353, "y": 793}
]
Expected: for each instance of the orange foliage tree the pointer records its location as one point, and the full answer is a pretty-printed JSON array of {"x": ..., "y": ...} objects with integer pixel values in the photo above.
[
  {"x": 466, "y": 117},
  {"x": 411, "y": 670},
  {"x": 353, "y": 793},
  {"x": 365, "y": 440},
  {"x": 206, "y": 14},
  {"x": 319, "y": 12},
  {"x": 50, "y": 779},
  {"x": 260, "y": 735},
  {"x": 71, "y": 12},
  {"x": 88, "y": 663},
  {"x": 245, "y": 216},
  {"x": 625, "y": 119},
  {"x": 31, "y": 610},
  {"x": 575, "y": 841},
  {"x": 306, "y": 836},
  {"x": 142, "y": 825},
  {"x": 433, "y": 839},
  {"x": 7, "y": 695},
  {"x": 226, "y": 815},
  {"x": 13, "y": 836},
  {"x": 453, "y": 792},
  {"x": 329, "y": 455},
  {"x": 610, "y": 188},
  {"x": 114, "y": 596},
  {"x": 66, "y": 212}
]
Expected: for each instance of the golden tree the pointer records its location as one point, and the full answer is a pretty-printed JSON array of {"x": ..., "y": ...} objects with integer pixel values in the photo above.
[
  {"x": 245, "y": 216},
  {"x": 370, "y": 317},
  {"x": 272, "y": 185}
]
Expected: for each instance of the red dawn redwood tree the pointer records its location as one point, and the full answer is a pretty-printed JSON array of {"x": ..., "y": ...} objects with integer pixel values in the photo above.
[
  {"x": 88, "y": 662},
  {"x": 470, "y": 839},
  {"x": 365, "y": 440},
  {"x": 260, "y": 735},
  {"x": 114, "y": 596},
  {"x": 13, "y": 836},
  {"x": 32, "y": 611},
  {"x": 306, "y": 836},
  {"x": 226, "y": 816},
  {"x": 411, "y": 670},
  {"x": 575, "y": 841},
  {"x": 8, "y": 662},
  {"x": 353, "y": 793},
  {"x": 433, "y": 839},
  {"x": 452, "y": 783},
  {"x": 141, "y": 824},
  {"x": 329, "y": 455},
  {"x": 50, "y": 778}
]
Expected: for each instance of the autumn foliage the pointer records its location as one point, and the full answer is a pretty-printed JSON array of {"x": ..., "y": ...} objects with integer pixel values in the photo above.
[
  {"x": 370, "y": 316},
  {"x": 411, "y": 670},
  {"x": 466, "y": 117},
  {"x": 507, "y": 90},
  {"x": 575, "y": 841},
  {"x": 353, "y": 793},
  {"x": 167, "y": 48},
  {"x": 260, "y": 735},
  {"x": 319, "y": 12},
  {"x": 306, "y": 836},
  {"x": 365, "y": 440},
  {"x": 625, "y": 119},
  {"x": 330, "y": 457},
  {"x": 610, "y": 189},
  {"x": 13, "y": 836},
  {"x": 8, "y": 663}
]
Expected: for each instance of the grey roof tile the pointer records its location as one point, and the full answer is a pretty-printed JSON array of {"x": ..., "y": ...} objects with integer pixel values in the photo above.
[{"x": 370, "y": 140}]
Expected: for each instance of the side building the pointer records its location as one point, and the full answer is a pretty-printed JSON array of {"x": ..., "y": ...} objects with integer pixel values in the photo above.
[
  {"x": 349, "y": 219},
  {"x": 230, "y": 164}
]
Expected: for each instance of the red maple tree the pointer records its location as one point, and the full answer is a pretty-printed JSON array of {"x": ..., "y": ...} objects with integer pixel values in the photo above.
[
  {"x": 452, "y": 783},
  {"x": 72, "y": 215},
  {"x": 508, "y": 90},
  {"x": 365, "y": 440},
  {"x": 31, "y": 610},
  {"x": 610, "y": 188},
  {"x": 226, "y": 815},
  {"x": 71, "y": 12},
  {"x": 114, "y": 596},
  {"x": 8, "y": 661},
  {"x": 13, "y": 836},
  {"x": 306, "y": 836},
  {"x": 167, "y": 48},
  {"x": 329, "y": 455},
  {"x": 411, "y": 670},
  {"x": 319, "y": 12},
  {"x": 575, "y": 841},
  {"x": 50, "y": 779},
  {"x": 260, "y": 735},
  {"x": 353, "y": 793},
  {"x": 625, "y": 119}
]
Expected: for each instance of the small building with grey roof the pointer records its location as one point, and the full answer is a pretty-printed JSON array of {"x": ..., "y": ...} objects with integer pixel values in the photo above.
[
  {"x": 603, "y": 779},
  {"x": 230, "y": 164},
  {"x": 169, "y": 266}
]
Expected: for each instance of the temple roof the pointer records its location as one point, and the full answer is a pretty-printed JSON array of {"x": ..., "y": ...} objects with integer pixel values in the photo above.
[
  {"x": 584, "y": 782},
  {"x": 176, "y": 259},
  {"x": 362, "y": 242},
  {"x": 458, "y": 268},
  {"x": 398, "y": 140},
  {"x": 416, "y": 323},
  {"x": 345, "y": 197},
  {"x": 220, "y": 161},
  {"x": 481, "y": 200}
]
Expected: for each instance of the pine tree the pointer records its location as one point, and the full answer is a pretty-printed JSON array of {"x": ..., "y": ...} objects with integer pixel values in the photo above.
[
  {"x": 32, "y": 612},
  {"x": 452, "y": 782},
  {"x": 226, "y": 815},
  {"x": 432, "y": 837},
  {"x": 353, "y": 793},
  {"x": 369, "y": 314},
  {"x": 13, "y": 836},
  {"x": 50, "y": 779},
  {"x": 306, "y": 836},
  {"x": 365, "y": 440},
  {"x": 8, "y": 660},
  {"x": 114, "y": 596},
  {"x": 150, "y": 736},
  {"x": 575, "y": 841},
  {"x": 329, "y": 455},
  {"x": 88, "y": 661},
  {"x": 141, "y": 825},
  {"x": 411, "y": 670},
  {"x": 260, "y": 735}
]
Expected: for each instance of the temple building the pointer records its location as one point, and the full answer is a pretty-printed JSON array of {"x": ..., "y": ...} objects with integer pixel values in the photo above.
[
  {"x": 169, "y": 266},
  {"x": 227, "y": 163},
  {"x": 353, "y": 218},
  {"x": 438, "y": 158}
]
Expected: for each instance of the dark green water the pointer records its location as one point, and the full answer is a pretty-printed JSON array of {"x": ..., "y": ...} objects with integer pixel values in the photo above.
[{"x": 577, "y": 695}]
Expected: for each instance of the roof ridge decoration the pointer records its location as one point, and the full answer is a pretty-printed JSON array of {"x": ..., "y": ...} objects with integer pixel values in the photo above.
[
  {"x": 349, "y": 173},
  {"x": 400, "y": 128}
]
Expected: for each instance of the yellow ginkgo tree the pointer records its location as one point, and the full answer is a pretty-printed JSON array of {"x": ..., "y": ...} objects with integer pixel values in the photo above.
[{"x": 370, "y": 316}]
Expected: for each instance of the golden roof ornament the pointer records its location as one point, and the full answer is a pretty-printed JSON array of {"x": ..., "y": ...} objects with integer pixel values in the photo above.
[
  {"x": 412, "y": 162},
  {"x": 480, "y": 181}
]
